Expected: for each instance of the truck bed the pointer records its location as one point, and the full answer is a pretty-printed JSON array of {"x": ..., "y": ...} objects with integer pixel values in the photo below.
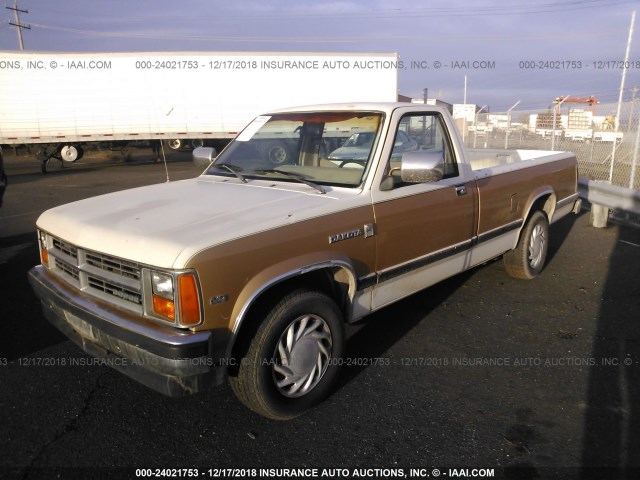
[{"x": 508, "y": 160}]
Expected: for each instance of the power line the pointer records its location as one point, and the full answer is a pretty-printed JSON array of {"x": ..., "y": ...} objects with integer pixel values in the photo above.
[
  {"x": 19, "y": 26},
  {"x": 334, "y": 39},
  {"x": 302, "y": 12}
]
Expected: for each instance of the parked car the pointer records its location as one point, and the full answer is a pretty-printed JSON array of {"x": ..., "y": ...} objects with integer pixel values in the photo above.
[{"x": 357, "y": 148}]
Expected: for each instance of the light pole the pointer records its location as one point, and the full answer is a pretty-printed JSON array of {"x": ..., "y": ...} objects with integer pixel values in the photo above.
[
  {"x": 616, "y": 124},
  {"x": 506, "y": 137},
  {"x": 475, "y": 125}
]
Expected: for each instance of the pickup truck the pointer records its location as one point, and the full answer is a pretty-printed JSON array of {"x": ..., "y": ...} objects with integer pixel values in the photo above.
[{"x": 251, "y": 270}]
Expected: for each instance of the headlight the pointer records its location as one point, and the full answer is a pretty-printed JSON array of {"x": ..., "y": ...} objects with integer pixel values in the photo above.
[{"x": 162, "y": 285}]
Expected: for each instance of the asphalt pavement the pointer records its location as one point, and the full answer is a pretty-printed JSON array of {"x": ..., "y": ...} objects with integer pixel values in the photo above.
[{"x": 479, "y": 376}]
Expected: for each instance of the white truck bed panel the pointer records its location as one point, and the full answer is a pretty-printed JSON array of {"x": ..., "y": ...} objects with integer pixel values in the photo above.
[{"x": 495, "y": 160}]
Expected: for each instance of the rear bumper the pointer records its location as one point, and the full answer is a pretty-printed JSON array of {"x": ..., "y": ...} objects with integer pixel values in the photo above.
[{"x": 171, "y": 361}]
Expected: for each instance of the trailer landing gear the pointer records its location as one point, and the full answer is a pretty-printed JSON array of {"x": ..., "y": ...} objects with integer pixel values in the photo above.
[{"x": 62, "y": 152}]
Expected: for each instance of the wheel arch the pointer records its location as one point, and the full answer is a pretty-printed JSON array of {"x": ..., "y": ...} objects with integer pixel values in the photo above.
[
  {"x": 336, "y": 278},
  {"x": 544, "y": 199}
]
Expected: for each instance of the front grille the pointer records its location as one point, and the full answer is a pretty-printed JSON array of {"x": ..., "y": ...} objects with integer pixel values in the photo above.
[
  {"x": 115, "y": 290},
  {"x": 67, "y": 269},
  {"x": 114, "y": 265},
  {"x": 113, "y": 279},
  {"x": 66, "y": 248}
]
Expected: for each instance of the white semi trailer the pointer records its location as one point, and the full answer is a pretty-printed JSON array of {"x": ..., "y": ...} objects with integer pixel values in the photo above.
[{"x": 61, "y": 102}]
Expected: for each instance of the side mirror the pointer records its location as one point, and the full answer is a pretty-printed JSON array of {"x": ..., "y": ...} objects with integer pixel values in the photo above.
[
  {"x": 422, "y": 166},
  {"x": 203, "y": 156}
]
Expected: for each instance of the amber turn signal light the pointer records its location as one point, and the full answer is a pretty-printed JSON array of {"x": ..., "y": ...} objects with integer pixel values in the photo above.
[
  {"x": 44, "y": 254},
  {"x": 189, "y": 300},
  {"x": 164, "y": 307}
]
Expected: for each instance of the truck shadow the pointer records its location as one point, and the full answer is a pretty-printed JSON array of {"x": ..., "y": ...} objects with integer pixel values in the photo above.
[
  {"x": 30, "y": 177},
  {"x": 375, "y": 334},
  {"x": 611, "y": 442},
  {"x": 558, "y": 233}
]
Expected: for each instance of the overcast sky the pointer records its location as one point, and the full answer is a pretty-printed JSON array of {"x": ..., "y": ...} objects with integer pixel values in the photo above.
[{"x": 570, "y": 47}]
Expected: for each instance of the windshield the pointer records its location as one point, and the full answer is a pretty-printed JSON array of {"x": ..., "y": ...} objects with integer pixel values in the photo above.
[{"x": 314, "y": 148}]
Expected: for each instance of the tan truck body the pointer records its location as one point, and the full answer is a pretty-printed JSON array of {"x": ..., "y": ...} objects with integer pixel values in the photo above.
[{"x": 240, "y": 252}]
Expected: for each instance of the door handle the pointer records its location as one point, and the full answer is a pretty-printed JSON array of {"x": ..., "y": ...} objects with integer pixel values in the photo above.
[{"x": 461, "y": 190}]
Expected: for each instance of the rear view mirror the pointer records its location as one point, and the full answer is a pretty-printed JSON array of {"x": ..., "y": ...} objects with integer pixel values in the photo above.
[
  {"x": 422, "y": 166},
  {"x": 203, "y": 156}
]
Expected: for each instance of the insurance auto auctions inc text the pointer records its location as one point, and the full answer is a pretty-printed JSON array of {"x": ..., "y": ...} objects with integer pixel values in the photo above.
[{"x": 374, "y": 473}]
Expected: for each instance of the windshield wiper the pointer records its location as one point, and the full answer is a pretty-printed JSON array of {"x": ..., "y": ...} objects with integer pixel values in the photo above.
[
  {"x": 233, "y": 169},
  {"x": 296, "y": 177}
]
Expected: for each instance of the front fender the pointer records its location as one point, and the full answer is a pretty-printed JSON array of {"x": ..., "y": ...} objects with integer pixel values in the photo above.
[{"x": 290, "y": 268}]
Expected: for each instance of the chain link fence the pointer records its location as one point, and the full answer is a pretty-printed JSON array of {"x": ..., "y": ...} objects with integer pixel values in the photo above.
[{"x": 607, "y": 149}]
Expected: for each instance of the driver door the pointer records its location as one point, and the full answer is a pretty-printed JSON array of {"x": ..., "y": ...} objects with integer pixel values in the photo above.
[{"x": 423, "y": 231}]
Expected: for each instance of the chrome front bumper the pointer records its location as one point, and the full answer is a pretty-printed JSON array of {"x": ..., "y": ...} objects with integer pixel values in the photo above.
[{"x": 171, "y": 361}]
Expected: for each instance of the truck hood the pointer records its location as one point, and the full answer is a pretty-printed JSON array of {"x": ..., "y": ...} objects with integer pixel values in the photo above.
[{"x": 165, "y": 225}]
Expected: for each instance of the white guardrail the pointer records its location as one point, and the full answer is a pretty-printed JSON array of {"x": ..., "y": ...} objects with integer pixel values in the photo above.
[{"x": 610, "y": 196}]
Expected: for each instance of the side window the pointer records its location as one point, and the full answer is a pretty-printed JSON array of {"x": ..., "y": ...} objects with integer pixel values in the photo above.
[{"x": 421, "y": 131}]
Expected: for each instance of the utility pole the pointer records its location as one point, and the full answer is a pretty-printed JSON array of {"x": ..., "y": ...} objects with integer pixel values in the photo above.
[{"x": 17, "y": 24}]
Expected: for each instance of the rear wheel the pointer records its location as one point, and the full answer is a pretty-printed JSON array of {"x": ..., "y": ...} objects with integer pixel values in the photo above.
[
  {"x": 294, "y": 358},
  {"x": 526, "y": 261}
]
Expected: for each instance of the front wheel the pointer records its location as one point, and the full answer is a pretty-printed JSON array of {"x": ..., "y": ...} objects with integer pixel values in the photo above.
[
  {"x": 294, "y": 358},
  {"x": 526, "y": 261}
]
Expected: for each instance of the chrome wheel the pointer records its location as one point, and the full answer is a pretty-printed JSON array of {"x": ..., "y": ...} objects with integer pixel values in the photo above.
[
  {"x": 277, "y": 154},
  {"x": 69, "y": 153},
  {"x": 302, "y": 355},
  {"x": 174, "y": 144},
  {"x": 536, "y": 246}
]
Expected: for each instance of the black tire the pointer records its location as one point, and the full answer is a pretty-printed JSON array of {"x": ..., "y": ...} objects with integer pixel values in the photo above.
[
  {"x": 527, "y": 260},
  {"x": 314, "y": 350}
]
